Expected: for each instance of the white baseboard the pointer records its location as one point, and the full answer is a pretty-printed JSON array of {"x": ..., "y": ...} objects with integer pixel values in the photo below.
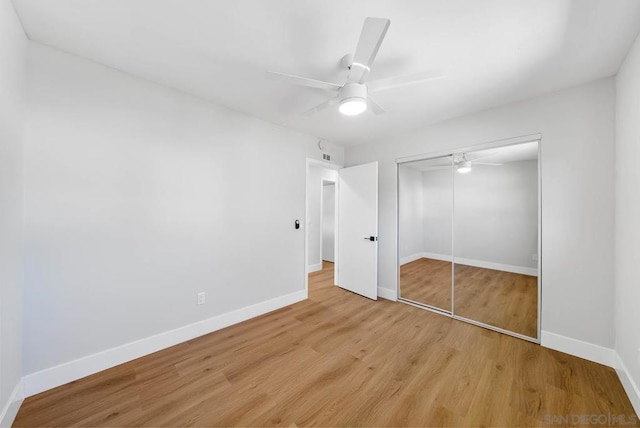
[
  {"x": 52, "y": 377},
  {"x": 578, "y": 348},
  {"x": 436, "y": 256},
  {"x": 314, "y": 268},
  {"x": 630, "y": 387},
  {"x": 385, "y": 293},
  {"x": 599, "y": 354},
  {"x": 411, "y": 258},
  {"x": 10, "y": 410},
  {"x": 524, "y": 270}
]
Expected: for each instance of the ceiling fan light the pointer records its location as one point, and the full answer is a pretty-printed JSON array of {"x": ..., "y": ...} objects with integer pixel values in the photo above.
[
  {"x": 464, "y": 167},
  {"x": 352, "y": 106}
]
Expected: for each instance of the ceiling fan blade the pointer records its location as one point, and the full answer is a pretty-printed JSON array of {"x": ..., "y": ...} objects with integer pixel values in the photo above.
[
  {"x": 398, "y": 81},
  {"x": 303, "y": 81},
  {"x": 373, "y": 32},
  {"x": 375, "y": 107},
  {"x": 322, "y": 106}
]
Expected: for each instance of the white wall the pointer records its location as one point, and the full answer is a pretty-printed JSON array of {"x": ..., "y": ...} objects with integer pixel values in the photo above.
[
  {"x": 316, "y": 173},
  {"x": 137, "y": 197},
  {"x": 496, "y": 214},
  {"x": 411, "y": 214},
  {"x": 12, "y": 52},
  {"x": 577, "y": 127},
  {"x": 627, "y": 233},
  {"x": 328, "y": 222}
]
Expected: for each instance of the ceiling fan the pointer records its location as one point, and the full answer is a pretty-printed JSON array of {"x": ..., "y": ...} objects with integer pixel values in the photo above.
[
  {"x": 462, "y": 164},
  {"x": 353, "y": 96}
]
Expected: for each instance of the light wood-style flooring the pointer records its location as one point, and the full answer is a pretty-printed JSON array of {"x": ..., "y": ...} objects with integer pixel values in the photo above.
[
  {"x": 338, "y": 359},
  {"x": 502, "y": 299}
]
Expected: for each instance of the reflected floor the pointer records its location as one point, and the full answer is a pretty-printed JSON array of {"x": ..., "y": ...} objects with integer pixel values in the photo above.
[
  {"x": 502, "y": 299},
  {"x": 427, "y": 281}
]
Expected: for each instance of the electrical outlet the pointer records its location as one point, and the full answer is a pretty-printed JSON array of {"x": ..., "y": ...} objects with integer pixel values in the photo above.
[
  {"x": 534, "y": 257},
  {"x": 201, "y": 298},
  {"x": 638, "y": 356}
]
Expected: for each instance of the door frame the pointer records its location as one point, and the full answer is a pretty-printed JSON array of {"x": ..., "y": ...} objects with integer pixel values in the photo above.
[{"x": 328, "y": 165}]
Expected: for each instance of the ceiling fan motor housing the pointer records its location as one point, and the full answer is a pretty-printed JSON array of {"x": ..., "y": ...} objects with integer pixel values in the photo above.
[
  {"x": 353, "y": 99},
  {"x": 353, "y": 90}
]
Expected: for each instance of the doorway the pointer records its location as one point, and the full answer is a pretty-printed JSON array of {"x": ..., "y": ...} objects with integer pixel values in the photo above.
[
  {"x": 324, "y": 276},
  {"x": 320, "y": 223},
  {"x": 354, "y": 229},
  {"x": 328, "y": 226}
]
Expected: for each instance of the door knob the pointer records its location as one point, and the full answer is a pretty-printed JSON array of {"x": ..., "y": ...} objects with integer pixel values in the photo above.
[{"x": 371, "y": 238}]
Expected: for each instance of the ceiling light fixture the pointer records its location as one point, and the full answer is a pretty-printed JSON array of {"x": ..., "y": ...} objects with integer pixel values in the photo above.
[
  {"x": 353, "y": 106},
  {"x": 353, "y": 99},
  {"x": 464, "y": 167}
]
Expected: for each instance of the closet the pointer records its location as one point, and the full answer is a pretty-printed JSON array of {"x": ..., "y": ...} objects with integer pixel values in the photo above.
[{"x": 469, "y": 233}]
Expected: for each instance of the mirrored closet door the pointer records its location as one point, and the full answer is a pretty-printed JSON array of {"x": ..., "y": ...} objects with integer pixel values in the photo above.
[
  {"x": 469, "y": 234},
  {"x": 426, "y": 206}
]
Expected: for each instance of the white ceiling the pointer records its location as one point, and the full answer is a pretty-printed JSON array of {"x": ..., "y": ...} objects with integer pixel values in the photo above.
[{"x": 492, "y": 51}]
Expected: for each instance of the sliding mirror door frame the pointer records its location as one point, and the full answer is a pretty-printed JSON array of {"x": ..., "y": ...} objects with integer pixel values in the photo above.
[{"x": 491, "y": 145}]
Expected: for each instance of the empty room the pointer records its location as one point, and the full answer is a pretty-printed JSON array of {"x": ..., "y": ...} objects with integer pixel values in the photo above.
[{"x": 319, "y": 213}]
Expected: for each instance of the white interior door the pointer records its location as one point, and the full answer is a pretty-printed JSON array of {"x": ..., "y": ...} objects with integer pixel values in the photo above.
[{"x": 358, "y": 229}]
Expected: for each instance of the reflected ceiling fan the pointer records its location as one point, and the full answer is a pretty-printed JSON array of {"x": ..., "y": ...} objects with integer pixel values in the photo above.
[
  {"x": 462, "y": 164},
  {"x": 353, "y": 96}
]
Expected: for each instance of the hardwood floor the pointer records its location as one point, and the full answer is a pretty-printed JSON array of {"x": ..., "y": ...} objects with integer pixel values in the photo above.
[
  {"x": 502, "y": 299},
  {"x": 338, "y": 359}
]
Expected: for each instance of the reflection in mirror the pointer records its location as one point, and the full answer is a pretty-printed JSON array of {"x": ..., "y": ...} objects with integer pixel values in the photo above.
[
  {"x": 496, "y": 237},
  {"x": 425, "y": 197}
]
